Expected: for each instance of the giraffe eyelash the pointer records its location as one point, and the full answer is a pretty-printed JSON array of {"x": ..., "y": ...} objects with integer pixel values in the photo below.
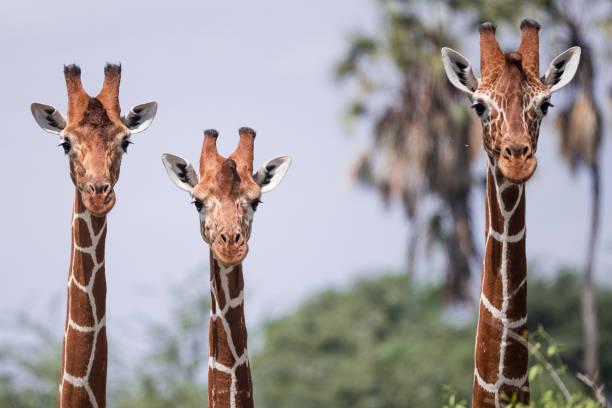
[
  {"x": 479, "y": 108},
  {"x": 255, "y": 203},
  {"x": 198, "y": 204},
  {"x": 125, "y": 143},
  {"x": 545, "y": 105},
  {"x": 66, "y": 145}
]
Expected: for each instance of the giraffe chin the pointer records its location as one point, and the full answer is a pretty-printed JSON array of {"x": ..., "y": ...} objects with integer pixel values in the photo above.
[
  {"x": 518, "y": 172},
  {"x": 229, "y": 257},
  {"x": 99, "y": 205}
]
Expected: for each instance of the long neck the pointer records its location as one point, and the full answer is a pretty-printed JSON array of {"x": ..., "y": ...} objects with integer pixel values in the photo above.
[
  {"x": 229, "y": 371},
  {"x": 501, "y": 353},
  {"x": 84, "y": 350}
]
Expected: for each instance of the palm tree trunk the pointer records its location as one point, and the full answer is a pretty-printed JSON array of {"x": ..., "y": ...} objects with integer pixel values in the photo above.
[
  {"x": 413, "y": 241},
  {"x": 589, "y": 310},
  {"x": 460, "y": 248}
]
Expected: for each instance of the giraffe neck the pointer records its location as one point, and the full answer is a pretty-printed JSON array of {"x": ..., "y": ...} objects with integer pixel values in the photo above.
[
  {"x": 84, "y": 349},
  {"x": 229, "y": 371},
  {"x": 501, "y": 353}
]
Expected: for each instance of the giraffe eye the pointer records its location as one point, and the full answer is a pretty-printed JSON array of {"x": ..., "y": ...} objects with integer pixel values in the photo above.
[
  {"x": 198, "y": 204},
  {"x": 66, "y": 145},
  {"x": 479, "y": 108},
  {"x": 255, "y": 203},
  {"x": 125, "y": 143},
  {"x": 544, "y": 107}
]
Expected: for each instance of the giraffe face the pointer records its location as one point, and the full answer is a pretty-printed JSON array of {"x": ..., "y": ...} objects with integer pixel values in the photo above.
[
  {"x": 95, "y": 146},
  {"x": 94, "y": 136},
  {"x": 511, "y": 107},
  {"x": 226, "y": 194},
  {"x": 226, "y": 203},
  {"x": 511, "y": 98}
]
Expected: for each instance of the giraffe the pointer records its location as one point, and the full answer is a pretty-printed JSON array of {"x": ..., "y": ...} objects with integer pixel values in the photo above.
[
  {"x": 226, "y": 194},
  {"x": 94, "y": 137},
  {"x": 511, "y": 100}
]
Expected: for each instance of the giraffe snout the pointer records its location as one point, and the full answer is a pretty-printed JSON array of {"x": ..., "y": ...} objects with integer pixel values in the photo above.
[
  {"x": 98, "y": 196},
  {"x": 517, "y": 161},
  {"x": 230, "y": 246}
]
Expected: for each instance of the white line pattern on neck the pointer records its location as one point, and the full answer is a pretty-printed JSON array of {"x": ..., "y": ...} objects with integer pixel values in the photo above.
[
  {"x": 88, "y": 289},
  {"x": 220, "y": 314},
  {"x": 504, "y": 238}
]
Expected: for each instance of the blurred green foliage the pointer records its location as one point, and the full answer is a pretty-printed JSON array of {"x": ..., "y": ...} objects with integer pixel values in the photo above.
[
  {"x": 383, "y": 342},
  {"x": 387, "y": 342}
]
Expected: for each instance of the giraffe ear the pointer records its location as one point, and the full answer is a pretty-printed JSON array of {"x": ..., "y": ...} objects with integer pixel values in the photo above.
[
  {"x": 562, "y": 69},
  {"x": 140, "y": 117},
  {"x": 48, "y": 118},
  {"x": 181, "y": 172},
  {"x": 459, "y": 71},
  {"x": 271, "y": 173}
]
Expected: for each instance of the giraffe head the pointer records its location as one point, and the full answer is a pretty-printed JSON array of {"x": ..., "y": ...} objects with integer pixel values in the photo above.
[
  {"x": 511, "y": 98},
  {"x": 94, "y": 136},
  {"x": 226, "y": 192}
]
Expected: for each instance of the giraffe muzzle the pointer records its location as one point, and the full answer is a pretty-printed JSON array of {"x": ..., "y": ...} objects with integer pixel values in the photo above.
[
  {"x": 98, "y": 198},
  {"x": 517, "y": 162},
  {"x": 230, "y": 248}
]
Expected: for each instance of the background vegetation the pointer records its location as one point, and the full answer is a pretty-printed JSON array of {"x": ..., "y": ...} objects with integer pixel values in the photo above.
[{"x": 384, "y": 342}]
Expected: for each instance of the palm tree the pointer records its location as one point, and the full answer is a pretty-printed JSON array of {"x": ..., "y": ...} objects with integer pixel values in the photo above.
[
  {"x": 424, "y": 140},
  {"x": 580, "y": 128}
]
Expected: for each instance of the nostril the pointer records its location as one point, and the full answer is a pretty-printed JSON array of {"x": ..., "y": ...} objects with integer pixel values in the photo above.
[
  {"x": 525, "y": 150},
  {"x": 91, "y": 188},
  {"x": 508, "y": 152},
  {"x": 224, "y": 238},
  {"x": 106, "y": 188},
  {"x": 237, "y": 238}
]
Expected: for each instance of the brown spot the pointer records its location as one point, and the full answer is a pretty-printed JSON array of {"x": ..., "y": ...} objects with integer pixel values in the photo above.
[
  {"x": 516, "y": 261},
  {"x": 98, "y": 223},
  {"x": 219, "y": 346},
  {"x": 482, "y": 398},
  {"x": 99, "y": 292},
  {"x": 78, "y": 349},
  {"x": 100, "y": 248},
  {"x": 517, "y": 306},
  {"x": 492, "y": 283},
  {"x": 235, "y": 318},
  {"x": 74, "y": 396},
  {"x": 509, "y": 197},
  {"x": 80, "y": 309},
  {"x": 217, "y": 287},
  {"x": 97, "y": 380},
  {"x": 244, "y": 396},
  {"x": 487, "y": 346},
  {"x": 219, "y": 384},
  {"x": 82, "y": 265},
  {"x": 235, "y": 281},
  {"x": 82, "y": 232},
  {"x": 517, "y": 221},
  {"x": 516, "y": 355}
]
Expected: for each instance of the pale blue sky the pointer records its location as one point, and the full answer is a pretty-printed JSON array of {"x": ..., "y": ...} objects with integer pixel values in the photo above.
[{"x": 210, "y": 64}]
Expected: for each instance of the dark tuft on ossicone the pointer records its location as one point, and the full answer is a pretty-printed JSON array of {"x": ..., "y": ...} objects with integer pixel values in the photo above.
[
  {"x": 246, "y": 130},
  {"x": 487, "y": 26},
  {"x": 530, "y": 23},
  {"x": 211, "y": 133},
  {"x": 112, "y": 69},
  {"x": 72, "y": 70}
]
